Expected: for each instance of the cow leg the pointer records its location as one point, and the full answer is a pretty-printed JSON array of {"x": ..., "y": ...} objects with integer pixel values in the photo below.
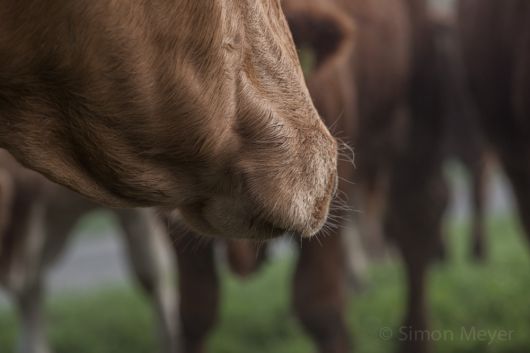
[
  {"x": 147, "y": 245},
  {"x": 32, "y": 331},
  {"x": 25, "y": 278},
  {"x": 370, "y": 220},
  {"x": 414, "y": 223},
  {"x": 518, "y": 172},
  {"x": 46, "y": 235},
  {"x": 479, "y": 179},
  {"x": 6, "y": 201},
  {"x": 319, "y": 293},
  {"x": 356, "y": 261},
  {"x": 199, "y": 290},
  {"x": 417, "y": 199},
  {"x": 418, "y": 192}
]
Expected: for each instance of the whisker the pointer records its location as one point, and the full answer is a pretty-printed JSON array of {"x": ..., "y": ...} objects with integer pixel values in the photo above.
[{"x": 333, "y": 125}]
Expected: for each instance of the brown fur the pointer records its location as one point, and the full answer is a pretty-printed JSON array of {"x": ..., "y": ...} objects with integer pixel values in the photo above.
[
  {"x": 495, "y": 42},
  {"x": 390, "y": 97},
  {"x": 361, "y": 93},
  {"x": 418, "y": 192},
  {"x": 385, "y": 97},
  {"x": 397, "y": 114},
  {"x": 188, "y": 105},
  {"x": 464, "y": 136},
  {"x": 357, "y": 87},
  {"x": 245, "y": 257}
]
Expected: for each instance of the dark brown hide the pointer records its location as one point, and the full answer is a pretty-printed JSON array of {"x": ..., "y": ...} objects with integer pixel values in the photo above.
[{"x": 495, "y": 43}]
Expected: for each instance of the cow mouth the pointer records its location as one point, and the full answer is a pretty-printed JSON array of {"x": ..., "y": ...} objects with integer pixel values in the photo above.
[
  {"x": 265, "y": 229},
  {"x": 245, "y": 227}
]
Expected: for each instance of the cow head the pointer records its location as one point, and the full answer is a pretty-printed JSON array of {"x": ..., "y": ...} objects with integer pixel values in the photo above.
[{"x": 194, "y": 106}]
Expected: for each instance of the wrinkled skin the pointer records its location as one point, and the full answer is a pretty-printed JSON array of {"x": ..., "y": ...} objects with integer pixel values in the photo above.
[{"x": 193, "y": 106}]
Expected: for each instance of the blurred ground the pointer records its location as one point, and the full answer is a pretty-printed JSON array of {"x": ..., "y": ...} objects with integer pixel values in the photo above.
[{"x": 256, "y": 316}]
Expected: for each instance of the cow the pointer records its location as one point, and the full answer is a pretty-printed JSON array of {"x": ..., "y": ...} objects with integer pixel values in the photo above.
[
  {"x": 387, "y": 98},
  {"x": 383, "y": 77},
  {"x": 39, "y": 217},
  {"x": 361, "y": 93},
  {"x": 193, "y": 106},
  {"x": 464, "y": 139},
  {"x": 380, "y": 79},
  {"x": 199, "y": 282},
  {"x": 349, "y": 41},
  {"x": 494, "y": 39}
]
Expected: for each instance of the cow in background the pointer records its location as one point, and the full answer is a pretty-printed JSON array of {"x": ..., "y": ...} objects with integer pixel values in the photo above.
[
  {"x": 494, "y": 39},
  {"x": 464, "y": 139},
  {"x": 38, "y": 219},
  {"x": 389, "y": 96},
  {"x": 358, "y": 83}
]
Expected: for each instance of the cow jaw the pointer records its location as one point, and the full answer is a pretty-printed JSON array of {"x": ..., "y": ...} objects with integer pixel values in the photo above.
[{"x": 155, "y": 103}]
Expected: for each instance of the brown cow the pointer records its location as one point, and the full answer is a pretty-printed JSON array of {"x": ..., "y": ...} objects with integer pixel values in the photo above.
[
  {"x": 379, "y": 79},
  {"x": 361, "y": 92},
  {"x": 418, "y": 192},
  {"x": 464, "y": 138},
  {"x": 199, "y": 286},
  {"x": 343, "y": 85},
  {"x": 495, "y": 42},
  {"x": 388, "y": 95},
  {"x": 39, "y": 218},
  {"x": 188, "y": 105},
  {"x": 383, "y": 87}
]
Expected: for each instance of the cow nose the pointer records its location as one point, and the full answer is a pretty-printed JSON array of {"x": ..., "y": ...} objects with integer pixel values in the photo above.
[
  {"x": 321, "y": 208},
  {"x": 334, "y": 184}
]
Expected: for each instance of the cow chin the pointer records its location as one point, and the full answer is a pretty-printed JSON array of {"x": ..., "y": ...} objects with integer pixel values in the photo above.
[{"x": 224, "y": 218}]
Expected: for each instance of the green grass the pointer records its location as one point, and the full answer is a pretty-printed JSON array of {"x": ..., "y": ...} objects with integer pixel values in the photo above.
[
  {"x": 256, "y": 317},
  {"x": 490, "y": 297}
]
